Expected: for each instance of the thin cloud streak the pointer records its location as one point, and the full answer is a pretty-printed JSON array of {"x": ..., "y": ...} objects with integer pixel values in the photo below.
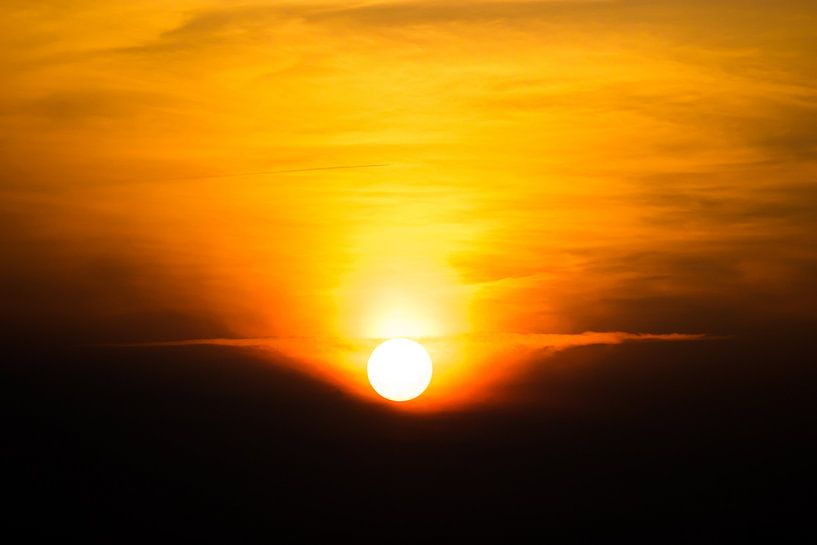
[
  {"x": 268, "y": 172},
  {"x": 531, "y": 340},
  {"x": 468, "y": 369}
]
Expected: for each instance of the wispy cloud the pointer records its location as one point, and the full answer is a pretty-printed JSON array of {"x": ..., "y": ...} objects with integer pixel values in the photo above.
[
  {"x": 515, "y": 340},
  {"x": 554, "y": 166}
]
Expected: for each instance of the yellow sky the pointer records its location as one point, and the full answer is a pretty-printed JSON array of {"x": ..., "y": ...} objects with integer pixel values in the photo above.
[{"x": 516, "y": 167}]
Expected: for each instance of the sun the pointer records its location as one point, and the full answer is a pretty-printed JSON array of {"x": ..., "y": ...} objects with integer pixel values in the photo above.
[{"x": 399, "y": 369}]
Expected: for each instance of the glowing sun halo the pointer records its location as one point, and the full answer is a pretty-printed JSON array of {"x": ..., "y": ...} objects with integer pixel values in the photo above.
[{"x": 399, "y": 369}]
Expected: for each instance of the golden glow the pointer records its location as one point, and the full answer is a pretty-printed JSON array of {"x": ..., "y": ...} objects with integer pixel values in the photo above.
[
  {"x": 404, "y": 292},
  {"x": 399, "y": 369},
  {"x": 533, "y": 167}
]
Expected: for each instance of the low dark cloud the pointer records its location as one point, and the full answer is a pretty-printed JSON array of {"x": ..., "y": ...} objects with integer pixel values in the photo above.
[{"x": 213, "y": 443}]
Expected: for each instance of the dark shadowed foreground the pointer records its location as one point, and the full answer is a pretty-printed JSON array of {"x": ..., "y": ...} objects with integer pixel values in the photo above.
[{"x": 691, "y": 442}]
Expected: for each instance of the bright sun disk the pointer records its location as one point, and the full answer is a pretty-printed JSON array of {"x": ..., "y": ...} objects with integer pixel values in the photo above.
[{"x": 399, "y": 369}]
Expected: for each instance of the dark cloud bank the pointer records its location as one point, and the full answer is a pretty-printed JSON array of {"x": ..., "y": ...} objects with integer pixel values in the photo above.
[{"x": 698, "y": 442}]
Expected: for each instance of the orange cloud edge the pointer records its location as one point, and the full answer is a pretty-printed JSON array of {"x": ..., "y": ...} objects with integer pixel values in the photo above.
[{"x": 468, "y": 369}]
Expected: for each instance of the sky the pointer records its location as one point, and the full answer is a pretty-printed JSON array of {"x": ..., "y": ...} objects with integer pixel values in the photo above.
[
  {"x": 598, "y": 217},
  {"x": 338, "y": 171}
]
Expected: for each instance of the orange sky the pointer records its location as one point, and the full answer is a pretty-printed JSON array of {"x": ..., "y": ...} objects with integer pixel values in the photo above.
[{"x": 168, "y": 173}]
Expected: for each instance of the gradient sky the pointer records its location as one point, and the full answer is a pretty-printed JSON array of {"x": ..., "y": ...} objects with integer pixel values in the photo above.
[{"x": 351, "y": 170}]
